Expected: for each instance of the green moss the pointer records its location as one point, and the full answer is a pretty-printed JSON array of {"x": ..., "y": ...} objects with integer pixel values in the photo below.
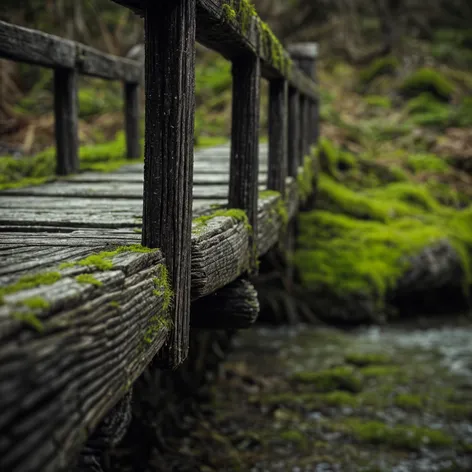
[
  {"x": 427, "y": 163},
  {"x": 306, "y": 178},
  {"x": 363, "y": 359},
  {"x": 378, "y": 101},
  {"x": 31, "y": 320},
  {"x": 36, "y": 303},
  {"x": 30, "y": 281},
  {"x": 427, "y": 110},
  {"x": 404, "y": 437},
  {"x": 88, "y": 279},
  {"x": 380, "y": 371},
  {"x": 294, "y": 436},
  {"x": 229, "y": 12},
  {"x": 114, "y": 304},
  {"x": 339, "y": 398},
  {"x": 163, "y": 287},
  {"x": 337, "y": 378},
  {"x": 409, "y": 401},
  {"x": 281, "y": 207},
  {"x": 26, "y": 182},
  {"x": 427, "y": 80},
  {"x": 383, "y": 66},
  {"x": 156, "y": 324},
  {"x": 238, "y": 215},
  {"x": 104, "y": 260}
]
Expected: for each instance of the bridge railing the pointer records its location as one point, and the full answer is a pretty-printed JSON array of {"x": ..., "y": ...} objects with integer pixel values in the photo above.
[
  {"x": 232, "y": 28},
  {"x": 68, "y": 59}
]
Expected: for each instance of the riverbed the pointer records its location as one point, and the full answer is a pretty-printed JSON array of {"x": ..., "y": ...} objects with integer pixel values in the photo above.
[{"x": 394, "y": 398}]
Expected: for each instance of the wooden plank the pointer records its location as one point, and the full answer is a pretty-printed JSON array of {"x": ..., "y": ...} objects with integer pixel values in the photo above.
[
  {"x": 233, "y": 307},
  {"x": 117, "y": 190},
  {"x": 135, "y": 177},
  {"x": 168, "y": 168},
  {"x": 66, "y": 121},
  {"x": 60, "y": 374},
  {"x": 95, "y": 63},
  {"x": 131, "y": 92},
  {"x": 278, "y": 110},
  {"x": 244, "y": 166},
  {"x": 27, "y": 45},
  {"x": 293, "y": 132}
]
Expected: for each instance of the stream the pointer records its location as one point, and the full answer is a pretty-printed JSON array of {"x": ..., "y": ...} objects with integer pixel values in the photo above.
[{"x": 394, "y": 398}]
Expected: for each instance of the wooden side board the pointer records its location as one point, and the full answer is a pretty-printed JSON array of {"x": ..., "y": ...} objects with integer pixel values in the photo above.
[{"x": 35, "y": 47}]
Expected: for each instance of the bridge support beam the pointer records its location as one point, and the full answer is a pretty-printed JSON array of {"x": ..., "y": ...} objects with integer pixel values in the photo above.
[
  {"x": 305, "y": 55},
  {"x": 131, "y": 92},
  {"x": 278, "y": 108},
  {"x": 168, "y": 165},
  {"x": 294, "y": 156},
  {"x": 66, "y": 121},
  {"x": 244, "y": 167}
]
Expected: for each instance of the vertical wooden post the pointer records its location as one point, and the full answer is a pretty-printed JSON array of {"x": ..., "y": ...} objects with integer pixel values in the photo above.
[
  {"x": 278, "y": 109},
  {"x": 66, "y": 121},
  {"x": 303, "y": 138},
  {"x": 293, "y": 132},
  {"x": 168, "y": 164},
  {"x": 131, "y": 92},
  {"x": 244, "y": 167},
  {"x": 304, "y": 55}
]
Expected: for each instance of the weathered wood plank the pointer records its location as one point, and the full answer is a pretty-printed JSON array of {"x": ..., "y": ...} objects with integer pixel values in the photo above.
[
  {"x": 34, "y": 47},
  {"x": 66, "y": 121},
  {"x": 131, "y": 95},
  {"x": 26, "y": 45},
  {"x": 278, "y": 111},
  {"x": 66, "y": 362},
  {"x": 168, "y": 166},
  {"x": 95, "y": 63},
  {"x": 244, "y": 166},
  {"x": 233, "y": 307},
  {"x": 294, "y": 157}
]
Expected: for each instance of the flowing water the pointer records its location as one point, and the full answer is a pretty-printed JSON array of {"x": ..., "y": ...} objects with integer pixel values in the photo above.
[{"x": 395, "y": 398}]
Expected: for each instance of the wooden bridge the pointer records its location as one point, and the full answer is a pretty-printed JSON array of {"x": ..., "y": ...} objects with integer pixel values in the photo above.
[{"x": 102, "y": 272}]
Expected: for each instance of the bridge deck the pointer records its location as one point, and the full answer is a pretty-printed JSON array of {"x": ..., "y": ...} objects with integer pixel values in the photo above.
[{"x": 78, "y": 330}]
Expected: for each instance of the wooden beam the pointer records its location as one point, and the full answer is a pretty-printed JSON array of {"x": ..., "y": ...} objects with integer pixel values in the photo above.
[
  {"x": 34, "y": 47},
  {"x": 244, "y": 165},
  {"x": 168, "y": 164},
  {"x": 67, "y": 360},
  {"x": 95, "y": 63},
  {"x": 66, "y": 121},
  {"x": 131, "y": 102},
  {"x": 278, "y": 111},
  {"x": 234, "y": 306},
  {"x": 293, "y": 132}
]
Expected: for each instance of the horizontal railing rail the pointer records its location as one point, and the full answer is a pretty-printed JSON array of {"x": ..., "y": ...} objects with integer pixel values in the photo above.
[{"x": 68, "y": 59}]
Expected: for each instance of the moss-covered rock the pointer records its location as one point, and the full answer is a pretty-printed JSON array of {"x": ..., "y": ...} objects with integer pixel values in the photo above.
[
  {"x": 383, "y": 66},
  {"x": 329, "y": 380},
  {"x": 427, "y": 80}
]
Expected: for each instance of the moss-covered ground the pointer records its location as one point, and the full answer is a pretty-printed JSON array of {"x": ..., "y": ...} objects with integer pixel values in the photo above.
[{"x": 321, "y": 399}]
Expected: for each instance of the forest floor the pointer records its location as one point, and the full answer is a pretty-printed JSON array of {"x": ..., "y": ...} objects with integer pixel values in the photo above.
[{"x": 395, "y": 398}]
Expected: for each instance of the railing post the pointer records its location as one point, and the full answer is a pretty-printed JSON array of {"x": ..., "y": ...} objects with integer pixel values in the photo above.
[
  {"x": 293, "y": 132},
  {"x": 244, "y": 167},
  {"x": 66, "y": 121},
  {"x": 131, "y": 95},
  {"x": 305, "y": 54},
  {"x": 278, "y": 109},
  {"x": 168, "y": 157}
]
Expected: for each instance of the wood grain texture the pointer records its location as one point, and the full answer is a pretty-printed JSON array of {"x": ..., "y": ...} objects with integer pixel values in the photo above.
[
  {"x": 168, "y": 164},
  {"x": 95, "y": 63},
  {"x": 131, "y": 102},
  {"x": 235, "y": 306},
  {"x": 57, "y": 382},
  {"x": 66, "y": 121},
  {"x": 244, "y": 167},
  {"x": 34, "y": 47},
  {"x": 294, "y": 156},
  {"x": 278, "y": 147}
]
